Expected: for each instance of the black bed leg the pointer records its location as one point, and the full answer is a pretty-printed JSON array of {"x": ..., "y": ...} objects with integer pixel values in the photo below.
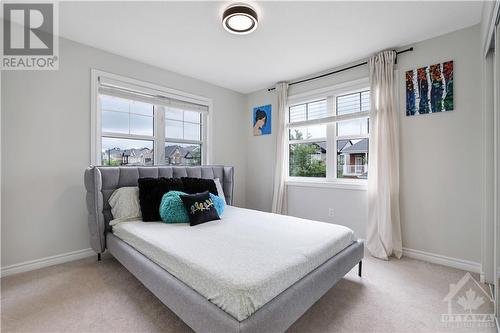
[
  {"x": 98, "y": 257},
  {"x": 360, "y": 268}
]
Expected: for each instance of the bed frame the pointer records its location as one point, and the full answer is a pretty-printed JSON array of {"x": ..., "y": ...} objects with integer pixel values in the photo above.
[{"x": 194, "y": 309}]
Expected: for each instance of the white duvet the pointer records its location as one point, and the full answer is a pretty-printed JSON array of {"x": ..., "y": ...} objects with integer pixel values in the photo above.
[{"x": 242, "y": 261}]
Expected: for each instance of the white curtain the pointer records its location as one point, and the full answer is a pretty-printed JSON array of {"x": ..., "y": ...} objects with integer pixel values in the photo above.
[
  {"x": 279, "y": 189},
  {"x": 383, "y": 237}
]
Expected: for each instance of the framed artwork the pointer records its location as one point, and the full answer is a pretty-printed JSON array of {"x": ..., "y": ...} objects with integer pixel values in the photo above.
[
  {"x": 429, "y": 89},
  {"x": 262, "y": 120}
]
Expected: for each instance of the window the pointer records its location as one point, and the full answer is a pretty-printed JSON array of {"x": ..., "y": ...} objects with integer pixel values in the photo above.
[
  {"x": 352, "y": 135},
  {"x": 127, "y": 134},
  {"x": 183, "y": 134},
  {"x": 308, "y": 143},
  {"x": 140, "y": 124},
  {"x": 328, "y": 137}
]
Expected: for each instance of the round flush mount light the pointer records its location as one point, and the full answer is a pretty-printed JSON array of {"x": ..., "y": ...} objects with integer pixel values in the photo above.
[{"x": 240, "y": 19}]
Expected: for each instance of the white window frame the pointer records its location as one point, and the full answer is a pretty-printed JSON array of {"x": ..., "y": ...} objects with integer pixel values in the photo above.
[
  {"x": 159, "y": 137},
  {"x": 330, "y": 94}
]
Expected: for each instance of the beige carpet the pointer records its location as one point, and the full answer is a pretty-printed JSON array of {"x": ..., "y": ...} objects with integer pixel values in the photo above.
[{"x": 85, "y": 296}]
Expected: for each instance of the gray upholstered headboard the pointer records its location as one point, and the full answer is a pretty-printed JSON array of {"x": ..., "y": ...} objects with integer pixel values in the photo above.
[{"x": 101, "y": 181}]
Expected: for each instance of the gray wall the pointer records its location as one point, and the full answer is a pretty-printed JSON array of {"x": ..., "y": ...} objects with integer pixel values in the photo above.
[
  {"x": 45, "y": 129},
  {"x": 441, "y": 160},
  {"x": 46, "y": 146}
]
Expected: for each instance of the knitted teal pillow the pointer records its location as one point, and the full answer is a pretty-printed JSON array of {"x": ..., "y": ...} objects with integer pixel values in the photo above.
[{"x": 172, "y": 209}]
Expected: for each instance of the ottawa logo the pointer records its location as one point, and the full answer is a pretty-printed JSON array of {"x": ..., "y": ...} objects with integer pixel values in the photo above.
[{"x": 469, "y": 305}]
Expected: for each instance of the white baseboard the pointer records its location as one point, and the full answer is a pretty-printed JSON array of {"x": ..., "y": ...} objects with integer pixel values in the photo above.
[
  {"x": 465, "y": 265},
  {"x": 45, "y": 262}
]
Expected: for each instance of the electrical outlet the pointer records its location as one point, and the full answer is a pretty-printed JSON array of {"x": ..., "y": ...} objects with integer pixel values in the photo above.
[{"x": 331, "y": 212}]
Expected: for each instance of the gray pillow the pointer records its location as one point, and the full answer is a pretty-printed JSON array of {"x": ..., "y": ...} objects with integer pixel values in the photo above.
[{"x": 124, "y": 204}]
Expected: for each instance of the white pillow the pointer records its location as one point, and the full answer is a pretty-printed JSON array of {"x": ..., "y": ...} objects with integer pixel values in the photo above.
[
  {"x": 124, "y": 204},
  {"x": 220, "y": 192}
]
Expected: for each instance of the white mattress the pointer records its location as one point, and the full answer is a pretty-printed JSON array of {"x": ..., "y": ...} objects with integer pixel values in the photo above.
[{"x": 242, "y": 261}]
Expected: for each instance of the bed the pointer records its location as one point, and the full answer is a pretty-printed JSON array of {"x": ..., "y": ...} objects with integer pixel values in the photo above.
[{"x": 250, "y": 272}]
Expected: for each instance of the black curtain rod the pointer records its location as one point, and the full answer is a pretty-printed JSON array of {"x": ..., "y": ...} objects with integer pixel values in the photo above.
[{"x": 339, "y": 70}]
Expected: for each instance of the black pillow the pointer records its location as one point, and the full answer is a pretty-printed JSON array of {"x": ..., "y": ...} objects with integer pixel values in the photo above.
[
  {"x": 199, "y": 185},
  {"x": 200, "y": 208},
  {"x": 151, "y": 190}
]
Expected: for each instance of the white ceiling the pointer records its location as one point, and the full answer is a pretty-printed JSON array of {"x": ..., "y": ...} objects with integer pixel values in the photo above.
[{"x": 293, "y": 39}]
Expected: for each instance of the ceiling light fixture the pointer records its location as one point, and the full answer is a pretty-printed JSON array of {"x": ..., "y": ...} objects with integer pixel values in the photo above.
[{"x": 240, "y": 19}]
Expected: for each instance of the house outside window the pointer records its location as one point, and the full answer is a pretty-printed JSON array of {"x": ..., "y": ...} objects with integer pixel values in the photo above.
[
  {"x": 127, "y": 131},
  {"x": 352, "y": 135},
  {"x": 137, "y": 123},
  {"x": 337, "y": 121},
  {"x": 183, "y": 134}
]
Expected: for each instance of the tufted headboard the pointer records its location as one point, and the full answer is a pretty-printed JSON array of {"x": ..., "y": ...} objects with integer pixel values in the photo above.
[{"x": 101, "y": 181}]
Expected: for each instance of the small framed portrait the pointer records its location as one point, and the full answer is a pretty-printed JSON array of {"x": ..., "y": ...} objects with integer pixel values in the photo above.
[{"x": 262, "y": 120}]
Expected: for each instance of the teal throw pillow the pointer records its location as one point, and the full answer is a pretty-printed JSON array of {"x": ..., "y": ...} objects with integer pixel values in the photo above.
[
  {"x": 172, "y": 209},
  {"x": 218, "y": 203}
]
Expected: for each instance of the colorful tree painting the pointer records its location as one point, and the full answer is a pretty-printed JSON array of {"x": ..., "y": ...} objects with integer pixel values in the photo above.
[{"x": 429, "y": 89}]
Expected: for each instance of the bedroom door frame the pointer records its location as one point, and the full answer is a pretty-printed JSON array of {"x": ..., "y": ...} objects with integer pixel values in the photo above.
[
  {"x": 490, "y": 56},
  {"x": 496, "y": 205}
]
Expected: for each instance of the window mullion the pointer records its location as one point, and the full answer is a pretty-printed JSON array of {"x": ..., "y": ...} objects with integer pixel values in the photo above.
[
  {"x": 159, "y": 131},
  {"x": 127, "y": 136},
  {"x": 195, "y": 142},
  {"x": 205, "y": 158},
  {"x": 353, "y": 137},
  {"x": 331, "y": 151},
  {"x": 183, "y": 134},
  {"x": 129, "y": 118}
]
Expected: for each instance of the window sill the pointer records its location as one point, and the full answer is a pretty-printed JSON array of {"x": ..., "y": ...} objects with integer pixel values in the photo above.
[{"x": 321, "y": 183}]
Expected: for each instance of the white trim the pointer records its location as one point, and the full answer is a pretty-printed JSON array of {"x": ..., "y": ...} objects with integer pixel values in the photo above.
[
  {"x": 46, "y": 262},
  {"x": 496, "y": 129},
  {"x": 492, "y": 291},
  {"x": 153, "y": 88},
  {"x": 313, "y": 140},
  {"x": 331, "y": 145},
  {"x": 487, "y": 186},
  {"x": 95, "y": 123},
  {"x": 329, "y": 119},
  {"x": 495, "y": 13},
  {"x": 128, "y": 136},
  {"x": 159, "y": 133},
  {"x": 338, "y": 89},
  {"x": 439, "y": 259},
  {"x": 208, "y": 134},
  {"x": 360, "y": 185},
  {"x": 194, "y": 142}
]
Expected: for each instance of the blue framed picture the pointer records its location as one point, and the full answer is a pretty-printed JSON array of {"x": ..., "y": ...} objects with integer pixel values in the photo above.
[{"x": 262, "y": 120}]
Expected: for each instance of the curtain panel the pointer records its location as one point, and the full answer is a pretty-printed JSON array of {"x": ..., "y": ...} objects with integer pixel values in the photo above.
[
  {"x": 279, "y": 189},
  {"x": 383, "y": 236}
]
